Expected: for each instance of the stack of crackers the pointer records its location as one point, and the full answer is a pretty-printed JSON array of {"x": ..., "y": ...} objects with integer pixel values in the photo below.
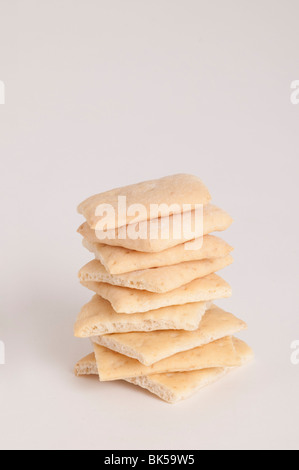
[{"x": 152, "y": 321}]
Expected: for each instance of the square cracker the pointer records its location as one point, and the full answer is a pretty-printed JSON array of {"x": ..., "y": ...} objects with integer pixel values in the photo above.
[
  {"x": 173, "y": 387},
  {"x": 125, "y": 300},
  {"x": 98, "y": 318},
  {"x": 179, "y": 386},
  {"x": 119, "y": 260},
  {"x": 159, "y": 280},
  {"x": 177, "y": 189},
  {"x": 115, "y": 366},
  {"x": 214, "y": 220},
  {"x": 149, "y": 348}
]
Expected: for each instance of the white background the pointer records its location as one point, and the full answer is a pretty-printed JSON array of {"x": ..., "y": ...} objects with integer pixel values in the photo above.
[{"x": 103, "y": 93}]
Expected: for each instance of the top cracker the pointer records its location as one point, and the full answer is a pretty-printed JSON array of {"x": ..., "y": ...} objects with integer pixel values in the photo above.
[{"x": 177, "y": 189}]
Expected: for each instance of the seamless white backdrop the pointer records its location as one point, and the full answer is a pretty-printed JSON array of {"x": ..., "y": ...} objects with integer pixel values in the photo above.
[{"x": 103, "y": 93}]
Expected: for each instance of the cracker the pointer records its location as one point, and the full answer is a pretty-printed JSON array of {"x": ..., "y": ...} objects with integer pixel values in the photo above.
[
  {"x": 214, "y": 220},
  {"x": 149, "y": 348},
  {"x": 177, "y": 189},
  {"x": 115, "y": 366},
  {"x": 98, "y": 318},
  {"x": 159, "y": 280},
  {"x": 87, "y": 366},
  {"x": 119, "y": 260},
  {"x": 179, "y": 386},
  {"x": 125, "y": 300}
]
